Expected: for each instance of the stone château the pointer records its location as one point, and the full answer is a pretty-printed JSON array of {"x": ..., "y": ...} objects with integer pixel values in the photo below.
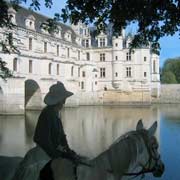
[{"x": 98, "y": 69}]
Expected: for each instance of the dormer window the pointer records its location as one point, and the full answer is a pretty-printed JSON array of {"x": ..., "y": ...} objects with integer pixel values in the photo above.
[
  {"x": 30, "y": 22},
  {"x": 78, "y": 40},
  {"x": 12, "y": 15},
  {"x": 68, "y": 35},
  {"x": 58, "y": 32},
  {"x": 44, "y": 28}
]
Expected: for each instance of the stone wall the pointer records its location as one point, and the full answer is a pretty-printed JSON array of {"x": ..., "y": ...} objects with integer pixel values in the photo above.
[{"x": 170, "y": 93}]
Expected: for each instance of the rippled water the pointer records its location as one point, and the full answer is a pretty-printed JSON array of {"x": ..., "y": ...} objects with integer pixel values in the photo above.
[{"x": 91, "y": 129}]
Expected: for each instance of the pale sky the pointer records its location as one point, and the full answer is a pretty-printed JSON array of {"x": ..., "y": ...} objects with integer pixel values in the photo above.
[{"x": 170, "y": 46}]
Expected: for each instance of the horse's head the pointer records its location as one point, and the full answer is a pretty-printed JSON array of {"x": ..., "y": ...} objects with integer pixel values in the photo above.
[{"x": 154, "y": 163}]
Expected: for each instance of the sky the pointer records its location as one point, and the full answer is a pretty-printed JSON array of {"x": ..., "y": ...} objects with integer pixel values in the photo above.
[{"x": 170, "y": 46}]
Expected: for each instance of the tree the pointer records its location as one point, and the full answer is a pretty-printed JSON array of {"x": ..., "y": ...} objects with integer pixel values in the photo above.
[
  {"x": 168, "y": 77},
  {"x": 155, "y": 18},
  {"x": 170, "y": 71}
]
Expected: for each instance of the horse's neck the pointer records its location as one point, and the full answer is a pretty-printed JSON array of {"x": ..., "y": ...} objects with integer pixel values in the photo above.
[{"x": 122, "y": 155}]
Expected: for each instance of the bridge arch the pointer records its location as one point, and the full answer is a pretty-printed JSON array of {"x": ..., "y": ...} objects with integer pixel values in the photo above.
[{"x": 33, "y": 95}]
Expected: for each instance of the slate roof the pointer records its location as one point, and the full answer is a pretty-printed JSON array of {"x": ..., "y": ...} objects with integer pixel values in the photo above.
[{"x": 23, "y": 13}]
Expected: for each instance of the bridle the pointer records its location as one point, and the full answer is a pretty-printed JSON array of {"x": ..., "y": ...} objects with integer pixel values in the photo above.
[{"x": 151, "y": 148}]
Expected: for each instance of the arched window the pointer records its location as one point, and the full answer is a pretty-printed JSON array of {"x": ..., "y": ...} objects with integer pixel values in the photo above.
[
  {"x": 15, "y": 64},
  {"x": 50, "y": 68},
  {"x": 72, "y": 71}
]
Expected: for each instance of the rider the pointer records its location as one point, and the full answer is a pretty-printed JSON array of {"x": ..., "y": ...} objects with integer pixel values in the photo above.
[{"x": 49, "y": 132}]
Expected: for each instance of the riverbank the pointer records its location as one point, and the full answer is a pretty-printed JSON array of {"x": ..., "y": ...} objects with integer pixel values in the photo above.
[{"x": 170, "y": 94}]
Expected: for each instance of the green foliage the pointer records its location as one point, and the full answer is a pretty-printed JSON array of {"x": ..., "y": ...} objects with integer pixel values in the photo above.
[
  {"x": 171, "y": 71},
  {"x": 168, "y": 77},
  {"x": 155, "y": 18},
  {"x": 4, "y": 71}
]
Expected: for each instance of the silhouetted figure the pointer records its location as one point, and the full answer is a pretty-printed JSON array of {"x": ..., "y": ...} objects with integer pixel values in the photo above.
[
  {"x": 49, "y": 132},
  {"x": 49, "y": 136}
]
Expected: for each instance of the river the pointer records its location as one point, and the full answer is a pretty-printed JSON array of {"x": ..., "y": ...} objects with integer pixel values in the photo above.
[{"x": 92, "y": 129}]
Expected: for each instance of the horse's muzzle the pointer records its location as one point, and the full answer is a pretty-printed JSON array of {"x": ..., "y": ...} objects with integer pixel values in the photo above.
[{"x": 159, "y": 169}]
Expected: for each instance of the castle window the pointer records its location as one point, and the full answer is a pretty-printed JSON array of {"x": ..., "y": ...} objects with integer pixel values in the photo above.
[
  {"x": 102, "y": 42},
  {"x": 68, "y": 52},
  {"x": 30, "y": 66},
  {"x": 145, "y": 74},
  {"x": 78, "y": 72},
  {"x": 116, "y": 74},
  {"x": 83, "y": 74},
  {"x": 57, "y": 69},
  {"x": 82, "y": 85},
  {"x": 102, "y": 57},
  {"x": 68, "y": 35},
  {"x": 30, "y": 43},
  {"x": 50, "y": 68},
  {"x": 116, "y": 58},
  {"x": 72, "y": 71},
  {"x": 15, "y": 64},
  {"x": 87, "y": 43},
  {"x": 79, "y": 55},
  {"x": 45, "y": 47},
  {"x": 12, "y": 14},
  {"x": 154, "y": 66},
  {"x": 116, "y": 44},
  {"x": 102, "y": 72},
  {"x": 87, "y": 56},
  {"x": 57, "y": 49},
  {"x": 128, "y": 72},
  {"x": 145, "y": 58},
  {"x": 30, "y": 22},
  {"x": 128, "y": 56}
]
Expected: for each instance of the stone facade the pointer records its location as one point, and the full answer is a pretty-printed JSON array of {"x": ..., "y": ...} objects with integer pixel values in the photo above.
[{"x": 96, "y": 68}]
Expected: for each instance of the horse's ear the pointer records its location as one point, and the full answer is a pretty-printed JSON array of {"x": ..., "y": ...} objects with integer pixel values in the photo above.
[
  {"x": 139, "y": 125},
  {"x": 152, "y": 129}
]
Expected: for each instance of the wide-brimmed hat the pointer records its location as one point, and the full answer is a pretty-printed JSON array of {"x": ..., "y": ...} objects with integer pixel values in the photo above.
[{"x": 57, "y": 93}]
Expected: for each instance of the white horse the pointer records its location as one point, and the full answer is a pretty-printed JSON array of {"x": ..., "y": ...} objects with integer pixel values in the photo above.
[{"x": 134, "y": 153}]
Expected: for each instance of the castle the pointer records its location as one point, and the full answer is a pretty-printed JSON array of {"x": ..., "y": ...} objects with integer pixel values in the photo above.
[{"x": 98, "y": 69}]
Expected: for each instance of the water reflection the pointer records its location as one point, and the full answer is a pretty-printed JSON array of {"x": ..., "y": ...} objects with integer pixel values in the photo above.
[{"x": 90, "y": 130}]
